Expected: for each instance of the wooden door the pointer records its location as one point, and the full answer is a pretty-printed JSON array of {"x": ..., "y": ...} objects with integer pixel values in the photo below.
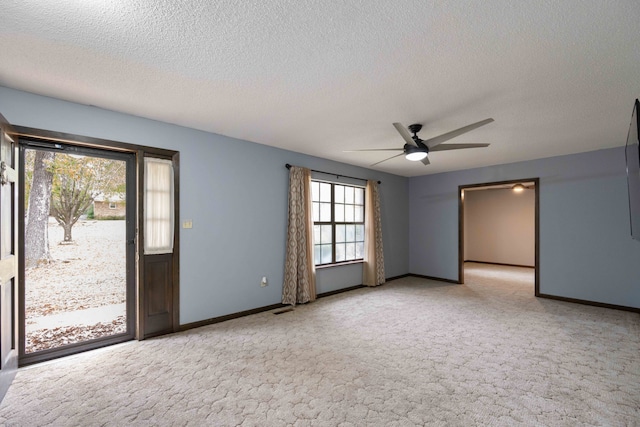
[
  {"x": 158, "y": 294},
  {"x": 8, "y": 258}
]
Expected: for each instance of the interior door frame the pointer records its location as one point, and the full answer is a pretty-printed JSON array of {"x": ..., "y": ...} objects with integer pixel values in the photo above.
[
  {"x": 139, "y": 152},
  {"x": 461, "y": 189}
]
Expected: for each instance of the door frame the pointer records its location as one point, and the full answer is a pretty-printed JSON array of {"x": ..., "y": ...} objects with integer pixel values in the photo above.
[
  {"x": 131, "y": 225},
  {"x": 139, "y": 152},
  {"x": 9, "y": 265},
  {"x": 461, "y": 189}
]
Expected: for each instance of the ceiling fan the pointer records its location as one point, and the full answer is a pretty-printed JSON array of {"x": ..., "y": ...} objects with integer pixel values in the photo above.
[{"x": 417, "y": 149}]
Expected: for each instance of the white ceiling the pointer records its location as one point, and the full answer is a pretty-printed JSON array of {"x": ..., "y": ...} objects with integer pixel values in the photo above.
[{"x": 319, "y": 77}]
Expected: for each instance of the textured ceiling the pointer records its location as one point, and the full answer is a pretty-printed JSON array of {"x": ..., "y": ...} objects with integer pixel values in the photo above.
[{"x": 320, "y": 77}]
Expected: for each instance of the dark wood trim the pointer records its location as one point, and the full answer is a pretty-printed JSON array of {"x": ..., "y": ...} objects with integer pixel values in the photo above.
[
  {"x": 71, "y": 349},
  {"x": 536, "y": 291},
  {"x": 500, "y": 263},
  {"x": 176, "y": 241},
  {"x": 87, "y": 141},
  {"x": 461, "y": 261},
  {"x": 22, "y": 339},
  {"x": 439, "y": 279},
  {"x": 140, "y": 299},
  {"x": 339, "y": 291},
  {"x": 460, "y": 235},
  {"x": 390, "y": 279},
  {"x": 497, "y": 183},
  {"x": 591, "y": 303},
  {"x": 231, "y": 316}
]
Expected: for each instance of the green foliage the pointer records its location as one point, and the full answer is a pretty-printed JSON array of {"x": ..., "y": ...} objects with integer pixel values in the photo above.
[{"x": 111, "y": 218}]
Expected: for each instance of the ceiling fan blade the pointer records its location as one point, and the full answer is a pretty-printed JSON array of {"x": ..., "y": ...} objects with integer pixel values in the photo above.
[
  {"x": 425, "y": 161},
  {"x": 432, "y": 142},
  {"x": 405, "y": 134},
  {"x": 392, "y": 157},
  {"x": 445, "y": 147},
  {"x": 373, "y": 149}
]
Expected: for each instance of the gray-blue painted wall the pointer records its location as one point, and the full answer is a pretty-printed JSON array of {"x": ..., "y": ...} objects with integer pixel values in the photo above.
[
  {"x": 235, "y": 192},
  {"x": 586, "y": 250}
]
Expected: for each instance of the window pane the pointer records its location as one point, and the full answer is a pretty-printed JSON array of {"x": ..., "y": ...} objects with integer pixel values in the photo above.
[
  {"x": 359, "y": 214},
  {"x": 325, "y": 192},
  {"x": 348, "y": 213},
  {"x": 339, "y": 189},
  {"x": 334, "y": 205},
  {"x": 326, "y": 254},
  {"x": 360, "y": 250},
  {"x": 348, "y": 194},
  {"x": 325, "y": 234},
  {"x": 351, "y": 251},
  {"x": 340, "y": 252},
  {"x": 325, "y": 212},
  {"x": 351, "y": 233},
  {"x": 158, "y": 206}
]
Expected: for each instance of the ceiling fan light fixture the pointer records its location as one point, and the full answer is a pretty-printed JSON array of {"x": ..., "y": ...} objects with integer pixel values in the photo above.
[{"x": 415, "y": 154}]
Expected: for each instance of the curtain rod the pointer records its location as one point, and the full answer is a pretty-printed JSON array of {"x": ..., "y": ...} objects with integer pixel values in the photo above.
[{"x": 288, "y": 166}]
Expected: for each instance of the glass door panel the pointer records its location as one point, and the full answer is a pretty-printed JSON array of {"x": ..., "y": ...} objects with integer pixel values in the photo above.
[{"x": 78, "y": 243}]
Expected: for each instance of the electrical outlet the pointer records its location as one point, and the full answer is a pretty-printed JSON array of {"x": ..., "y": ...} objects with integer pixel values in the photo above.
[
  {"x": 263, "y": 282},
  {"x": 187, "y": 224}
]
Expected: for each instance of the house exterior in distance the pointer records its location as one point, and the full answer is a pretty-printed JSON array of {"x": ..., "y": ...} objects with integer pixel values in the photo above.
[{"x": 109, "y": 207}]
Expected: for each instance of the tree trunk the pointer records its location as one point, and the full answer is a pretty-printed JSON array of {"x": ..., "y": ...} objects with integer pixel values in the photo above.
[
  {"x": 36, "y": 243},
  {"x": 67, "y": 232}
]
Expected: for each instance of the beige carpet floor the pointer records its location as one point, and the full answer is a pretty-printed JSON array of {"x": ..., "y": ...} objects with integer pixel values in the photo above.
[{"x": 411, "y": 352}]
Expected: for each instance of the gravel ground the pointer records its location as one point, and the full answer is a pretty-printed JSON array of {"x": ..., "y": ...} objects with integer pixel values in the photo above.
[{"x": 90, "y": 272}]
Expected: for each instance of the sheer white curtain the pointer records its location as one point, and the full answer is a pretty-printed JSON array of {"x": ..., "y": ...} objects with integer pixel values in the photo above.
[
  {"x": 373, "y": 267},
  {"x": 299, "y": 270},
  {"x": 158, "y": 206}
]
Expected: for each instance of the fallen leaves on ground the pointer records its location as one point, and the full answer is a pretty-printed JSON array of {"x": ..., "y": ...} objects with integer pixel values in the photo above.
[{"x": 43, "y": 339}]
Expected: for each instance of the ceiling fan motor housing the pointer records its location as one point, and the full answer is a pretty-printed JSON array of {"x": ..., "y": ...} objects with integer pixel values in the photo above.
[{"x": 415, "y": 128}]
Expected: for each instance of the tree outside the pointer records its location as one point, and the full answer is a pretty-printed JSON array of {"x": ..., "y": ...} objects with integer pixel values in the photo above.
[
  {"x": 63, "y": 186},
  {"x": 76, "y": 183},
  {"x": 39, "y": 180}
]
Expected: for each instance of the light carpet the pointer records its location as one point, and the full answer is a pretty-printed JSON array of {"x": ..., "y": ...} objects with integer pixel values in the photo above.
[{"x": 411, "y": 352}]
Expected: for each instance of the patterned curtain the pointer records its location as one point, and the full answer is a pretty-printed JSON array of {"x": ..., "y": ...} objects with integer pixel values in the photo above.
[
  {"x": 373, "y": 267},
  {"x": 299, "y": 270}
]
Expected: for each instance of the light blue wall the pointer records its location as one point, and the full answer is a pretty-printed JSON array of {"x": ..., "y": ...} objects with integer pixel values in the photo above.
[
  {"x": 586, "y": 250},
  {"x": 235, "y": 192}
]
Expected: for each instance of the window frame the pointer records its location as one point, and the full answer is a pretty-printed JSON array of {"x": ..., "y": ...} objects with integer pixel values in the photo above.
[{"x": 333, "y": 223}]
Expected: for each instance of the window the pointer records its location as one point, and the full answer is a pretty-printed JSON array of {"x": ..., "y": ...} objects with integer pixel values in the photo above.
[
  {"x": 158, "y": 206},
  {"x": 112, "y": 205},
  {"x": 338, "y": 222}
]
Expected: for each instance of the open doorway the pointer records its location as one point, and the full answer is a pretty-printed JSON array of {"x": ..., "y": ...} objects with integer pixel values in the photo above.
[
  {"x": 499, "y": 226},
  {"x": 79, "y": 256}
]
